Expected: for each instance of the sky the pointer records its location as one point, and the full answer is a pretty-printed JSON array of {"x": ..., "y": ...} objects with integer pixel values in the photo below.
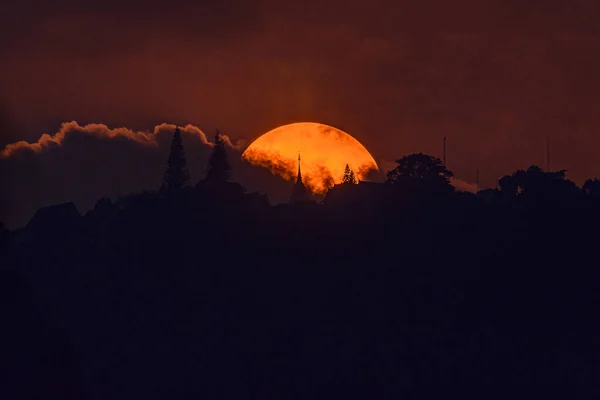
[{"x": 495, "y": 77}]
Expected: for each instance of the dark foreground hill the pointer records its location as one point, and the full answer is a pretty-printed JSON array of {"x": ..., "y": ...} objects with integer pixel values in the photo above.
[{"x": 222, "y": 296}]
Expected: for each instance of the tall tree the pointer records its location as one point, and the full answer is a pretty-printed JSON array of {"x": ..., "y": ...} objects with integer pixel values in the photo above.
[
  {"x": 176, "y": 174},
  {"x": 536, "y": 186},
  {"x": 537, "y": 183},
  {"x": 508, "y": 186},
  {"x": 349, "y": 176},
  {"x": 218, "y": 170},
  {"x": 420, "y": 167},
  {"x": 591, "y": 188}
]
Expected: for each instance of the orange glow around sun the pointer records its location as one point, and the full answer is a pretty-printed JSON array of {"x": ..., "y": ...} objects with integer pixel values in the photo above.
[{"x": 324, "y": 150}]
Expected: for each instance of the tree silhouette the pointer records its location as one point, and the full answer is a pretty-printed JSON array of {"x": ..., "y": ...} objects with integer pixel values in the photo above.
[
  {"x": 349, "y": 176},
  {"x": 537, "y": 185},
  {"x": 420, "y": 172},
  {"x": 508, "y": 186},
  {"x": 527, "y": 282},
  {"x": 535, "y": 176},
  {"x": 419, "y": 166},
  {"x": 176, "y": 174},
  {"x": 218, "y": 170},
  {"x": 591, "y": 188}
]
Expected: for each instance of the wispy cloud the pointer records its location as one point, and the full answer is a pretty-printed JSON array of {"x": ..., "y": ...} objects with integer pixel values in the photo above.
[{"x": 72, "y": 129}]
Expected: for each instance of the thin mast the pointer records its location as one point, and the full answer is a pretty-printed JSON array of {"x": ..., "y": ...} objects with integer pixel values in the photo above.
[
  {"x": 547, "y": 153},
  {"x": 444, "y": 150}
]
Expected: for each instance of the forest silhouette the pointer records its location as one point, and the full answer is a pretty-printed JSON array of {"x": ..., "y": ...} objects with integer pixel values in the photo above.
[{"x": 402, "y": 289}]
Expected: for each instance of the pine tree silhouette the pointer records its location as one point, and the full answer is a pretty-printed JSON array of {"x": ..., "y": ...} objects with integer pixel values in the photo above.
[
  {"x": 349, "y": 176},
  {"x": 176, "y": 174},
  {"x": 218, "y": 170}
]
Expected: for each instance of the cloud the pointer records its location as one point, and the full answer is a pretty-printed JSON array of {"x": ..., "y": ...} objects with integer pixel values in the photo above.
[
  {"x": 101, "y": 131},
  {"x": 82, "y": 163},
  {"x": 463, "y": 186},
  {"x": 67, "y": 130},
  {"x": 317, "y": 179}
]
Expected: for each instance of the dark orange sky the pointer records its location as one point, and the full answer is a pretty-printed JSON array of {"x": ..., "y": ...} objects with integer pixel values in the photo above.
[{"x": 495, "y": 77}]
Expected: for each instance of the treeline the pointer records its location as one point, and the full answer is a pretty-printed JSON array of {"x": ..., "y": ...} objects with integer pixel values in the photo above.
[{"x": 401, "y": 289}]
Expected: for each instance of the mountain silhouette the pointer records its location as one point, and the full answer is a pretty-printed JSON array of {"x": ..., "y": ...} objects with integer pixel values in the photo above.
[{"x": 404, "y": 289}]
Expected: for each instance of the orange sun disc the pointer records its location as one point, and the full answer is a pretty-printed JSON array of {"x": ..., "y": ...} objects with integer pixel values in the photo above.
[{"x": 324, "y": 152}]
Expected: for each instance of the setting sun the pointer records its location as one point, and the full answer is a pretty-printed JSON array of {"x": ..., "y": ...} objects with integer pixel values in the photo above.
[{"x": 325, "y": 151}]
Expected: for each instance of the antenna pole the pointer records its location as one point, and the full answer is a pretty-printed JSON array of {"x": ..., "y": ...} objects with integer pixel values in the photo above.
[
  {"x": 547, "y": 153},
  {"x": 444, "y": 150}
]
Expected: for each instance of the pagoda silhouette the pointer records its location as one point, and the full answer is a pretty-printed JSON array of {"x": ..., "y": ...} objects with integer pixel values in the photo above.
[{"x": 299, "y": 192}]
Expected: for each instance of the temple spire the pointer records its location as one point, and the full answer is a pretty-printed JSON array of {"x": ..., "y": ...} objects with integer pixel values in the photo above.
[
  {"x": 299, "y": 193},
  {"x": 299, "y": 179}
]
